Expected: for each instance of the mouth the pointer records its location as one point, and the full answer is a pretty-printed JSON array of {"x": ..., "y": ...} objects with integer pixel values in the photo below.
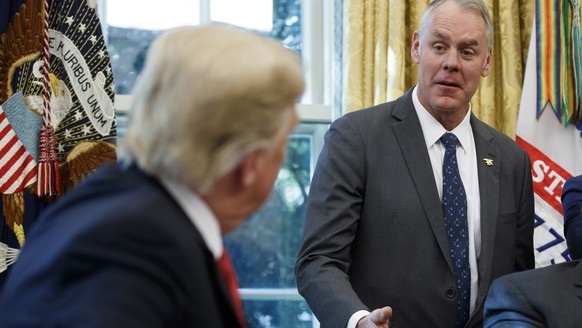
[{"x": 449, "y": 84}]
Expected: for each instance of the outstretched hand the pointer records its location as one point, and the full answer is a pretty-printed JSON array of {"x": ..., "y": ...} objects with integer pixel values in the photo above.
[{"x": 379, "y": 318}]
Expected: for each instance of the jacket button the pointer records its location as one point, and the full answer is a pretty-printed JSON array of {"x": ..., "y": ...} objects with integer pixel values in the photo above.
[{"x": 451, "y": 292}]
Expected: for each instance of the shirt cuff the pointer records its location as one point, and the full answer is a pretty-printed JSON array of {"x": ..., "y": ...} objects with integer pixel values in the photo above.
[{"x": 356, "y": 317}]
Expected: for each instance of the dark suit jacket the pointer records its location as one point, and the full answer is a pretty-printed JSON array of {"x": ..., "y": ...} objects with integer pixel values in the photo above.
[
  {"x": 547, "y": 297},
  {"x": 116, "y": 252},
  {"x": 374, "y": 232},
  {"x": 572, "y": 205}
]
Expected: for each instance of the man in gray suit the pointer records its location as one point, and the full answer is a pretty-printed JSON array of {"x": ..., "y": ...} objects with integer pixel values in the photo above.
[{"x": 376, "y": 247}]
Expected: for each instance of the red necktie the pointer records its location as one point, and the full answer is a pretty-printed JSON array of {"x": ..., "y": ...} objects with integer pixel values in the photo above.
[{"x": 225, "y": 267}]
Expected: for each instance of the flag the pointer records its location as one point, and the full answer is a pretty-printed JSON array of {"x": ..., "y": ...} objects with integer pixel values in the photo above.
[
  {"x": 56, "y": 108},
  {"x": 548, "y": 126}
]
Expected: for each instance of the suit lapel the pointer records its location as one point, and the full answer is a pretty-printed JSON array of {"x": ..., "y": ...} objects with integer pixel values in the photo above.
[
  {"x": 411, "y": 140},
  {"x": 489, "y": 170}
]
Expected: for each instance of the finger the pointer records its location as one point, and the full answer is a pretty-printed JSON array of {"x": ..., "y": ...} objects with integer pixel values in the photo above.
[{"x": 380, "y": 316}]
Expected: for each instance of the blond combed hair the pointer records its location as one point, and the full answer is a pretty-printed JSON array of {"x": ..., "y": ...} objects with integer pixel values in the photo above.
[{"x": 206, "y": 98}]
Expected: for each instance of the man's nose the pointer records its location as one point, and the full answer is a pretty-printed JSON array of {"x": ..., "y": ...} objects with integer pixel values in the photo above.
[{"x": 451, "y": 63}]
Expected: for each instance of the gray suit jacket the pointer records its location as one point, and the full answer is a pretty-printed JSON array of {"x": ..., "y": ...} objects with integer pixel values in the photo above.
[
  {"x": 374, "y": 231},
  {"x": 546, "y": 297}
]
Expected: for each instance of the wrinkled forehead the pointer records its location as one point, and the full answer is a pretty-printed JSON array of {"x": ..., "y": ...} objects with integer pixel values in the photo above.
[
  {"x": 467, "y": 40},
  {"x": 448, "y": 23},
  {"x": 449, "y": 17}
]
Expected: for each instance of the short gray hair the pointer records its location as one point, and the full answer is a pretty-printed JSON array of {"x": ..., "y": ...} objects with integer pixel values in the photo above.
[
  {"x": 477, "y": 6},
  {"x": 206, "y": 98}
]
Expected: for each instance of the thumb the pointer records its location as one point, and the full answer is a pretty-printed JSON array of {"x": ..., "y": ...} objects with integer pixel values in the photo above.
[{"x": 380, "y": 316}]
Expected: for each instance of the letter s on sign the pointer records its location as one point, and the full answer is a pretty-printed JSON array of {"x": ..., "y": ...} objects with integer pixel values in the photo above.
[{"x": 539, "y": 168}]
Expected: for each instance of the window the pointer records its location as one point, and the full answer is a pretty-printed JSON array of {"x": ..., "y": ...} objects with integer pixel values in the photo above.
[
  {"x": 131, "y": 25},
  {"x": 264, "y": 249}
]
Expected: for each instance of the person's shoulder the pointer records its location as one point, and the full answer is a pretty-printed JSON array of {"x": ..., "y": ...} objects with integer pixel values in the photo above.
[
  {"x": 109, "y": 189},
  {"x": 110, "y": 175},
  {"x": 543, "y": 273},
  {"x": 380, "y": 112},
  {"x": 368, "y": 111},
  {"x": 559, "y": 267},
  {"x": 496, "y": 137},
  {"x": 573, "y": 182}
]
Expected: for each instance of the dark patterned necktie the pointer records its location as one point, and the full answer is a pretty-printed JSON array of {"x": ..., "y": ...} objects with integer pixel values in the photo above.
[
  {"x": 229, "y": 275},
  {"x": 455, "y": 212}
]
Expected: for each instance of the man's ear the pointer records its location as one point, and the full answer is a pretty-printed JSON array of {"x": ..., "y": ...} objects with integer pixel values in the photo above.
[
  {"x": 249, "y": 168},
  {"x": 415, "y": 48},
  {"x": 487, "y": 64}
]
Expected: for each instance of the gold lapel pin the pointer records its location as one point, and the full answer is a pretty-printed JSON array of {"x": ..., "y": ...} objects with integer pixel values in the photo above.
[{"x": 488, "y": 161}]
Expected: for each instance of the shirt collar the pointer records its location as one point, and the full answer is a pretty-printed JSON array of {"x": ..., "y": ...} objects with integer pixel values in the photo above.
[
  {"x": 199, "y": 213},
  {"x": 433, "y": 130}
]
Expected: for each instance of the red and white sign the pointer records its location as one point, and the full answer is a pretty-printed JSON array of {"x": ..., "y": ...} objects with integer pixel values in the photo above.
[{"x": 555, "y": 151}]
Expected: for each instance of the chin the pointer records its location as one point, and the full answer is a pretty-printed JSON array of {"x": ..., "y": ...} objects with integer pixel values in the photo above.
[{"x": 447, "y": 104}]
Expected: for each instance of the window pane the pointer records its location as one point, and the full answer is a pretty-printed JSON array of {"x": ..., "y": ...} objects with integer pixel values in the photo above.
[
  {"x": 287, "y": 23},
  {"x": 131, "y": 25},
  {"x": 252, "y": 14},
  {"x": 280, "y": 19},
  {"x": 151, "y": 14}
]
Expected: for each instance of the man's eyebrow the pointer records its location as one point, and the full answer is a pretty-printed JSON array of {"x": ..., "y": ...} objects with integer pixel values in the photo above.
[
  {"x": 443, "y": 36},
  {"x": 440, "y": 35},
  {"x": 470, "y": 43}
]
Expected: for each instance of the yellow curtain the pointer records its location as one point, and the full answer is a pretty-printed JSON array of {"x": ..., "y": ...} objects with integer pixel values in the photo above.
[{"x": 377, "y": 67}]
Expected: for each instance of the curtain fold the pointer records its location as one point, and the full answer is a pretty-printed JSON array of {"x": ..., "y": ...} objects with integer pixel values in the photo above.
[{"x": 377, "y": 66}]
